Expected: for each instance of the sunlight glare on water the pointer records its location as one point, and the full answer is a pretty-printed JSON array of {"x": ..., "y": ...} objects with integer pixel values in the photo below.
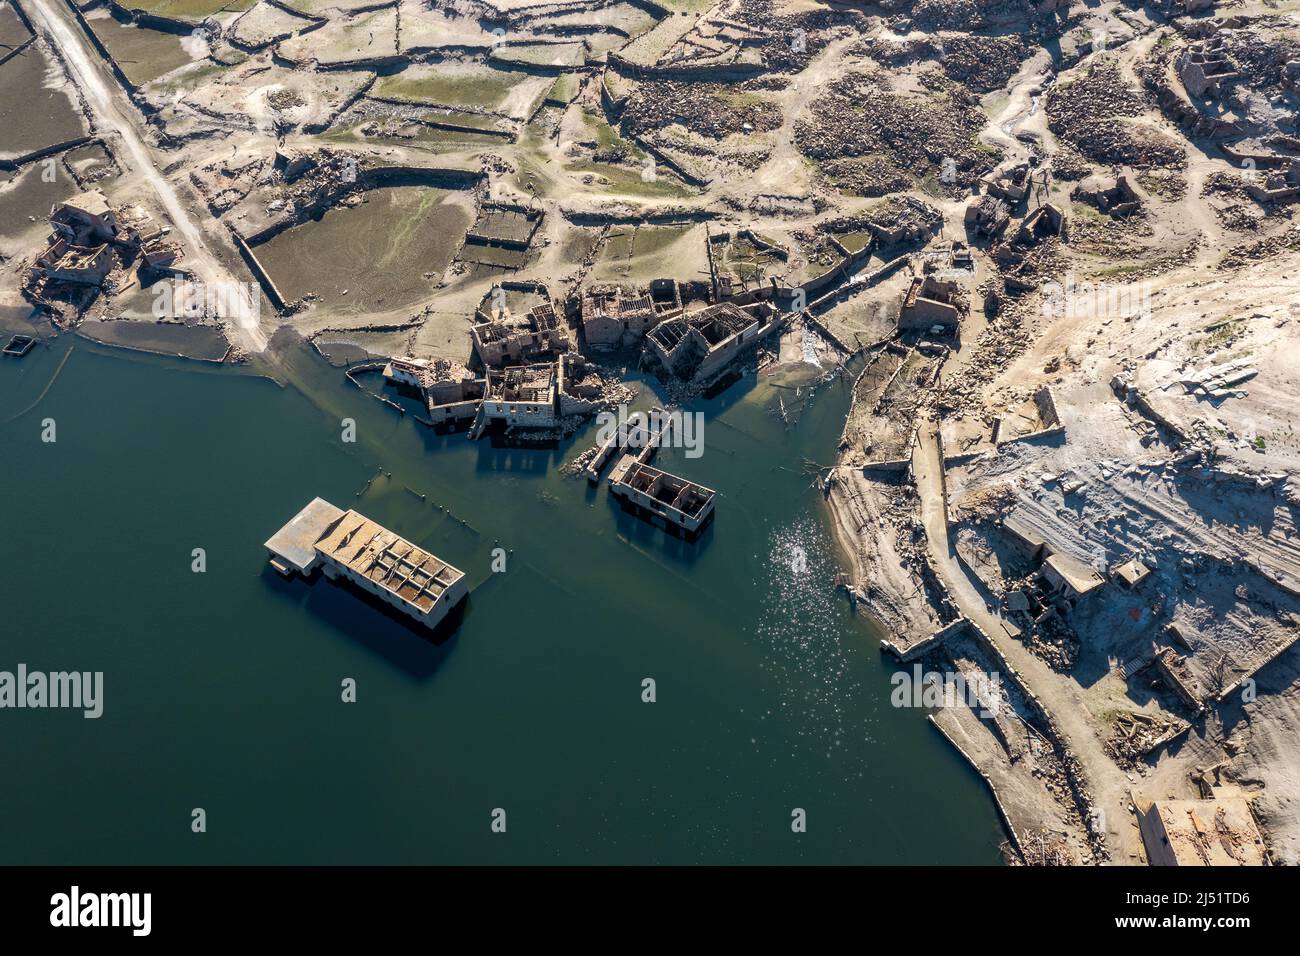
[{"x": 802, "y": 622}]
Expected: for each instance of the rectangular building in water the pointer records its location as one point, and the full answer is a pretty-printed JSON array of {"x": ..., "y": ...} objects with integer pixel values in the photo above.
[
  {"x": 345, "y": 544},
  {"x": 666, "y": 500}
]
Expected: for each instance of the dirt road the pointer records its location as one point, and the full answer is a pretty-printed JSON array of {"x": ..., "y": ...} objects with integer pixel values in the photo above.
[
  {"x": 1058, "y": 692},
  {"x": 786, "y": 172},
  {"x": 113, "y": 111}
]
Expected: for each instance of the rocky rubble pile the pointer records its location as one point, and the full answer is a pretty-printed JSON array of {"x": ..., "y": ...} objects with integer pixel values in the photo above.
[
  {"x": 1055, "y": 643},
  {"x": 934, "y": 15},
  {"x": 904, "y": 218},
  {"x": 1101, "y": 93},
  {"x": 1006, "y": 337},
  {"x": 285, "y": 99},
  {"x": 1228, "y": 185},
  {"x": 1069, "y": 164},
  {"x": 1091, "y": 114},
  {"x": 859, "y": 116},
  {"x": 1123, "y": 144},
  {"x": 710, "y": 109},
  {"x": 1238, "y": 212},
  {"x": 491, "y": 163},
  {"x": 1136, "y": 734},
  {"x": 329, "y": 177},
  {"x": 794, "y": 39},
  {"x": 982, "y": 63},
  {"x": 1167, "y": 184},
  {"x": 979, "y": 63},
  {"x": 1252, "y": 252},
  {"x": 868, "y": 176},
  {"x": 817, "y": 248},
  {"x": 1040, "y": 848}
]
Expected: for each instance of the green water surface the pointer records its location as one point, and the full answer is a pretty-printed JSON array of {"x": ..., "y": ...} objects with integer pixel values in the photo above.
[{"x": 222, "y": 689}]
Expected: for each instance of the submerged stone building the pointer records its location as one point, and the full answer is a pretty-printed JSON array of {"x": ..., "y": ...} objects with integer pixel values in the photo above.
[{"x": 348, "y": 545}]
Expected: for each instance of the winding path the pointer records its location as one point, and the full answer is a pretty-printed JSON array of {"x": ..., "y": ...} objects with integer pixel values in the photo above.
[
  {"x": 111, "y": 108},
  {"x": 1058, "y": 692}
]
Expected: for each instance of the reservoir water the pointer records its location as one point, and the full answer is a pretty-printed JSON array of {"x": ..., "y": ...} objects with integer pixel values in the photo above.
[{"x": 222, "y": 688}]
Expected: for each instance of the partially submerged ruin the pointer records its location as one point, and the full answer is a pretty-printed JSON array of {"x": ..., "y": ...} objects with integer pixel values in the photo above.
[
  {"x": 613, "y": 317},
  {"x": 451, "y": 392},
  {"x": 348, "y": 546},
  {"x": 673, "y": 503},
  {"x": 521, "y": 396}
]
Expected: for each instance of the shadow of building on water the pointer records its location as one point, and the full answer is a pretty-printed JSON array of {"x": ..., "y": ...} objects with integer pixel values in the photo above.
[{"x": 383, "y": 630}]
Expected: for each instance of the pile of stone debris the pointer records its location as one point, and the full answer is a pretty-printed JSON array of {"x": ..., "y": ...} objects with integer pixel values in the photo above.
[
  {"x": 315, "y": 180},
  {"x": 792, "y": 40},
  {"x": 979, "y": 63},
  {"x": 1004, "y": 339},
  {"x": 1090, "y": 112},
  {"x": 577, "y": 465},
  {"x": 1134, "y": 735},
  {"x": 1040, "y": 848},
  {"x": 1099, "y": 94},
  {"x": 983, "y": 64},
  {"x": 709, "y": 109},
  {"x": 1119, "y": 143},
  {"x": 1054, "y": 642},
  {"x": 859, "y": 115},
  {"x": 967, "y": 16},
  {"x": 1025, "y": 269},
  {"x": 867, "y": 176},
  {"x": 1252, "y": 252},
  {"x": 1068, "y": 163}
]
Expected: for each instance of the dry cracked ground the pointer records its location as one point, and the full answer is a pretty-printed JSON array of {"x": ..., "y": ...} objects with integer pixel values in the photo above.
[{"x": 1109, "y": 187}]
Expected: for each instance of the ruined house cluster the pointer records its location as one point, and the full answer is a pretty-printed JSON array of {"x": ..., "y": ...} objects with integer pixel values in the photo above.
[
  {"x": 528, "y": 376},
  {"x": 94, "y": 246},
  {"x": 699, "y": 345},
  {"x": 1008, "y": 191},
  {"x": 1218, "y": 95},
  {"x": 691, "y": 344},
  {"x": 531, "y": 373},
  {"x": 613, "y": 317}
]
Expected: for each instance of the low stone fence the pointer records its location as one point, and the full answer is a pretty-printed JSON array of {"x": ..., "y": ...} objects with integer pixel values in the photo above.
[
  {"x": 17, "y": 50},
  {"x": 98, "y": 44},
  {"x": 20, "y": 161},
  {"x": 922, "y": 647},
  {"x": 717, "y": 72},
  {"x": 259, "y": 272}
]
